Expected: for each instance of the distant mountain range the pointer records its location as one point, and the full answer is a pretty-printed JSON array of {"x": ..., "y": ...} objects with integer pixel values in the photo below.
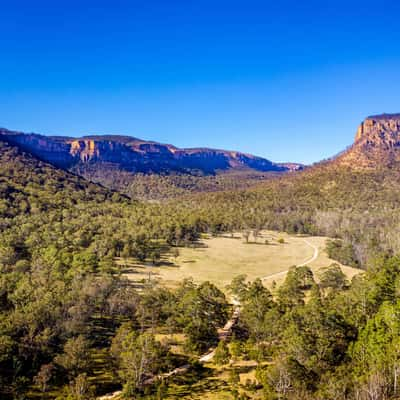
[
  {"x": 151, "y": 170},
  {"x": 135, "y": 155}
]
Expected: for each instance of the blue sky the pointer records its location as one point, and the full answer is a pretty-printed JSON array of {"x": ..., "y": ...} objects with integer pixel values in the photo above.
[{"x": 286, "y": 80}]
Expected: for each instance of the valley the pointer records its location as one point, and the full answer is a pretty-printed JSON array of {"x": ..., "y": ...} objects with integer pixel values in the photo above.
[
  {"x": 199, "y": 200},
  {"x": 101, "y": 292}
]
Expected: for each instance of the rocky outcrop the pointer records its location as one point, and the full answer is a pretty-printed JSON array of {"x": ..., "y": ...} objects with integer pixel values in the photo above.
[
  {"x": 90, "y": 150},
  {"x": 381, "y": 130},
  {"x": 377, "y": 143},
  {"x": 291, "y": 166},
  {"x": 136, "y": 155}
]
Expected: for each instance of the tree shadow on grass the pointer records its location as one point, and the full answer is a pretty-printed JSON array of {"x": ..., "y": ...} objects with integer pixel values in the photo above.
[
  {"x": 130, "y": 271},
  {"x": 261, "y": 244},
  {"x": 198, "y": 245},
  {"x": 197, "y": 380}
]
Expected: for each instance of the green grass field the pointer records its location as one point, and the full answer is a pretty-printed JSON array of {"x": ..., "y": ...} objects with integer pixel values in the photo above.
[{"x": 219, "y": 259}]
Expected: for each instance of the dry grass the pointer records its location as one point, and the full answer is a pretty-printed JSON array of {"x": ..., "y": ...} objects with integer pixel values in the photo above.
[{"x": 222, "y": 258}]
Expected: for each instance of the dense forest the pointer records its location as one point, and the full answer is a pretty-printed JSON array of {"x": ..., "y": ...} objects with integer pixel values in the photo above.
[
  {"x": 72, "y": 327},
  {"x": 160, "y": 187}
]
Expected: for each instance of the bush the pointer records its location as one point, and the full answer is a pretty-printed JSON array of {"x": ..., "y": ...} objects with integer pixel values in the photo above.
[{"x": 222, "y": 355}]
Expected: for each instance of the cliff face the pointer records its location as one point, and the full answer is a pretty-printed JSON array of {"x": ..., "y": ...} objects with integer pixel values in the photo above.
[
  {"x": 55, "y": 152},
  {"x": 89, "y": 150},
  {"x": 377, "y": 143},
  {"x": 135, "y": 155}
]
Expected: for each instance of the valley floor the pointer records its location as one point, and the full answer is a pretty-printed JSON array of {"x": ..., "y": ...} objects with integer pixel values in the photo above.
[{"x": 220, "y": 259}]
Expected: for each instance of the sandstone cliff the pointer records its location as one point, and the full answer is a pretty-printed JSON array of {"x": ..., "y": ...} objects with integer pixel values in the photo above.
[{"x": 377, "y": 143}]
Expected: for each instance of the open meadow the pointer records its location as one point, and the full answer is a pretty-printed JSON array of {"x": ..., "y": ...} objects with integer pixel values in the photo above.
[{"x": 220, "y": 259}]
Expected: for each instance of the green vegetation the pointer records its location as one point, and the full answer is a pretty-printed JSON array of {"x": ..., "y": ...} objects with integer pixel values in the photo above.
[
  {"x": 345, "y": 253},
  {"x": 340, "y": 343},
  {"x": 62, "y": 296},
  {"x": 73, "y": 327}
]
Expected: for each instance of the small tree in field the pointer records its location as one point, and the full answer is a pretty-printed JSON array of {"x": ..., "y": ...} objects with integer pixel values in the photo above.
[
  {"x": 175, "y": 253},
  {"x": 246, "y": 235},
  {"x": 256, "y": 234},
  {"x": 235, "y": 349},
  {"x": 234, "y": 377},
  {"x": 155, "y": 256}
]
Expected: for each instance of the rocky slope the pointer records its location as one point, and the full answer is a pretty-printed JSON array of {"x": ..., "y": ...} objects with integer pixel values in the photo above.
[
  {"x": 377, "y": 144},
  {"x": 136, "y": 155}
]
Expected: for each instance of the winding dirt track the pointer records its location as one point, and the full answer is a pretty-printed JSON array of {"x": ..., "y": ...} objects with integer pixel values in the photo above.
[
  {"x": 307, "y": 261},
  {"x": 314, "y": 257},
  {"x": 223, "y": 334}
]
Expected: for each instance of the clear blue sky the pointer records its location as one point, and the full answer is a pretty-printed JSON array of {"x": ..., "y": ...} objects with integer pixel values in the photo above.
[{"x": 287, "y": 80}]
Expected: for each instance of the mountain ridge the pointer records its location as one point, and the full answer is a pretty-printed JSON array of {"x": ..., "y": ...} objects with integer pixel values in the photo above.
[
  {"x": 137, "y": 155},
  {"x": 376, "y": 144}
]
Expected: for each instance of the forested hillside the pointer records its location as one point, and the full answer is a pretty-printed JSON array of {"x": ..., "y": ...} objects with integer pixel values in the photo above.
[
  {"x": 62, "y": 297},
  {"x": 159, "y": 187}
]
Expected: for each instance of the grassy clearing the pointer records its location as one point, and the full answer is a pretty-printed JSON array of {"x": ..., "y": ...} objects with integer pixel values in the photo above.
[{"x": 220, "y": 259}]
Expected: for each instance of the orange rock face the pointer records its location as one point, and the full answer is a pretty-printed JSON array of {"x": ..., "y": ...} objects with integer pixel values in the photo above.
[
  {"x": 85, "y": 149},
  {"x": 377, "y": 143}
]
